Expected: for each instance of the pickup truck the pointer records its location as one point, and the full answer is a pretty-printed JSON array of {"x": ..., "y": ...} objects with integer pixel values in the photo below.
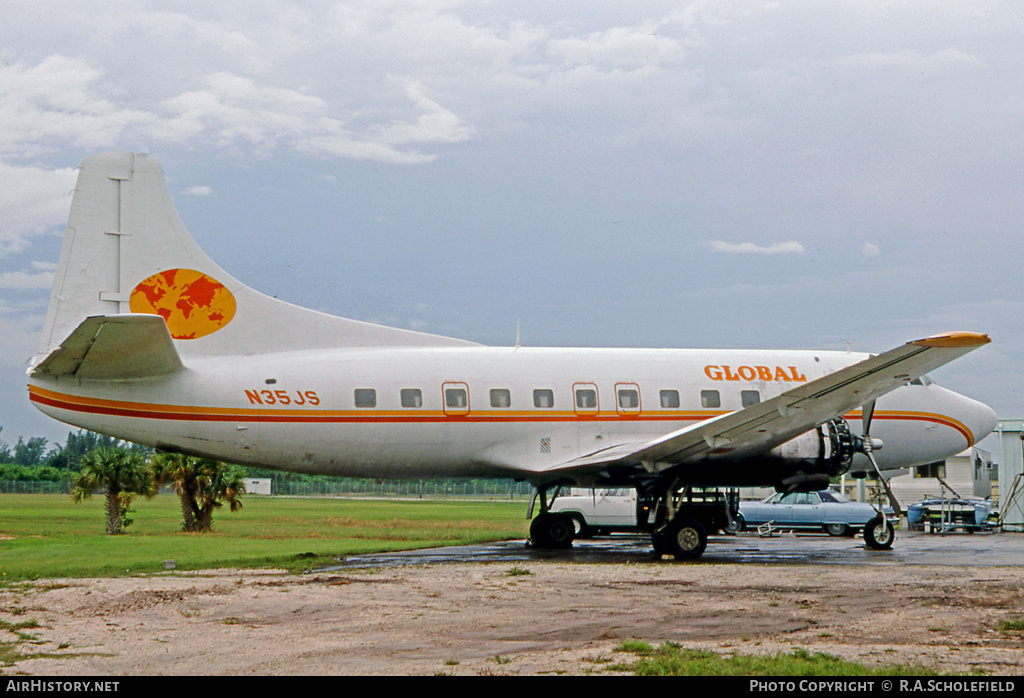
[{"x": 598, "y": 511}]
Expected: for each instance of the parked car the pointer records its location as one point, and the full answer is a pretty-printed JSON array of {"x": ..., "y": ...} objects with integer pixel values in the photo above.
[
  {"x": 598, "y": 511},
  {"x": 826, "y": 510}
]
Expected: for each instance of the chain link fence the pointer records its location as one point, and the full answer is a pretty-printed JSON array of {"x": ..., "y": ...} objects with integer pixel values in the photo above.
[
  {"x": 342, "y": 487},
  {"x": 34, "y": 487},
  {"x": 431, "y": 489}
]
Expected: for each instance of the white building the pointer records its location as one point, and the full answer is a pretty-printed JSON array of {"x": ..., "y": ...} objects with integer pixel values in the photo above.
[
  {"x": 967, "y": 474},
  {"x": 257, "y": 485},
  {"x": 1011, "y": 472}
]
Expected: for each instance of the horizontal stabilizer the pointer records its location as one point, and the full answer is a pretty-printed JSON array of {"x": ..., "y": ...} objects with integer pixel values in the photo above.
[{"x": 114, "y": 347}]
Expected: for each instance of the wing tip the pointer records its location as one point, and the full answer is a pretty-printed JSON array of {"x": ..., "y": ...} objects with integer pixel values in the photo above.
[{"x": 954, "y": 340}]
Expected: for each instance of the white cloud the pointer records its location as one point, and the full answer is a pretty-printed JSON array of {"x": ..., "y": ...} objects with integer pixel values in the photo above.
[
  {"x": 912, "y": 61},
  {"x": 26, "y": 281},
  {"x": 622, "y": 48},
  {"x": 56, "y": 103},
  {"x": 63, "y": 102},
  {"x": 870, "y": 250},
  {"x": 790, "y": 247},
  {"x": 198, "y": 191},
  {"x": 33, "y": 200},
  {"x": 230, "y": 110},
  {"x": 21, "y": 337},
  {"x": 435, "y": 124},
  {"x": 20, "y": 325}
]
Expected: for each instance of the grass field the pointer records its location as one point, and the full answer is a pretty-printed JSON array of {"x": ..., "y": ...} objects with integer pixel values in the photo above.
[
  {"x": 44, "y": 536},
  {"x": 48, "y": 536}
]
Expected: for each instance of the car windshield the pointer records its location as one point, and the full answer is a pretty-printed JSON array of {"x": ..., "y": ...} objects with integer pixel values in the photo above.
[{"x": 794, "y": 498}]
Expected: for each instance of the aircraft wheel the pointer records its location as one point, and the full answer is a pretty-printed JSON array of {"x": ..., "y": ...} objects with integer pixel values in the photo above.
[
  {"x": 685, "y": 539},
  {"x": 837, "y": 529},
  {"x": 552, "y": 530},
  {"x": 879, "y": 534}
]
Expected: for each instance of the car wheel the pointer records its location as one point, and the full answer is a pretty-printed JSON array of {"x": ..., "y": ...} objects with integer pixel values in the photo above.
[
  {"x": 738, "y": 524},
  {"x": 837, "y": 529}
]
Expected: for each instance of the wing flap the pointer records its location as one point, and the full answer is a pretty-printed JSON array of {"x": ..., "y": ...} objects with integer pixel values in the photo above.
[
  {"x": 759, "y": 428},
  {"x": 114, "y": 347}
]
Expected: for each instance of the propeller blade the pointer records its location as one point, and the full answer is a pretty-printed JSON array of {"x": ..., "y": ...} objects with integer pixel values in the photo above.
[{"x": 867, "y": 414}]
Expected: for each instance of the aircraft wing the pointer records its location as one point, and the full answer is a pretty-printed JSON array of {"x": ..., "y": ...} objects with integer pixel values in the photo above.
[
  {"x": 759, "y": 428},
  {"x": 114, "y": 347}
]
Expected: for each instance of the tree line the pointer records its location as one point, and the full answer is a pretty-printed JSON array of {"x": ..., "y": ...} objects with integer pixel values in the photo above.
[
  {"x": 37, "y": 459},
  {"x": 123, "y": 471}
]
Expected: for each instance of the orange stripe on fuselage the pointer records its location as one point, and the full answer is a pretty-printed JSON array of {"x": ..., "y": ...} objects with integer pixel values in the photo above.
[
  {"x": 146, "y": 410},
  {"x": 921, "y": 417}
]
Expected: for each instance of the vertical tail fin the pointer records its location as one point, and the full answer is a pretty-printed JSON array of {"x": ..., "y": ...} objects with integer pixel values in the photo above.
[{"x": 127, "y": 251}]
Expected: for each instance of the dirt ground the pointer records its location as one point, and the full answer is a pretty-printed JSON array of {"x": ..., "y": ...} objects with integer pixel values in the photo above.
[{"x": 512, "y": 619}]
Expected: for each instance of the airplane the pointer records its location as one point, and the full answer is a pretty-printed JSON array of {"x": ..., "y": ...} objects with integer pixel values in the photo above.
[{"x": 146, "y": 339}]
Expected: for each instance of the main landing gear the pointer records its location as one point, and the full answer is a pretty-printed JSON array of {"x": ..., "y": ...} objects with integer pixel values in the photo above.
[
  {"x": 551, "y": 530},
  {"x": 678, "y": 519},
  {"x": 683, "y": 516}
]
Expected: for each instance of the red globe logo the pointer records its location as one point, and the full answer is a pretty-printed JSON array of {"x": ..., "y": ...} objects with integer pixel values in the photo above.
[{"x": 191, "y": 303}]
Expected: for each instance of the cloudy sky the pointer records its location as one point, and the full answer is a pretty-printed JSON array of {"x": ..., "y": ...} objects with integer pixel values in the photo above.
[{"x": 685, "y": 174}]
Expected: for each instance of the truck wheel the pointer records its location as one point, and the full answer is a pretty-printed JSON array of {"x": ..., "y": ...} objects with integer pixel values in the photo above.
[{"x": 582, "y": 529}]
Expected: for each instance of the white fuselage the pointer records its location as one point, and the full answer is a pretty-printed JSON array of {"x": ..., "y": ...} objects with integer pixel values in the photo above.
[{"x": 474, "y": 411}]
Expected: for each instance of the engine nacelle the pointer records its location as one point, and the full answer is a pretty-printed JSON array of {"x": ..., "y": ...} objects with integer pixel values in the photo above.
[
  {"x": 826, "y": 450},
  {"x": 805, "y": 463}
]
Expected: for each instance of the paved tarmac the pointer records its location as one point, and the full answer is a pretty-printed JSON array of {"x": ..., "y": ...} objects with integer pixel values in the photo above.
[{"x": 910, "y": 548}]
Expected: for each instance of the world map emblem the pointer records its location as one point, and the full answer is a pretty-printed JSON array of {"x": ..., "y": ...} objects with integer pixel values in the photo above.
[{"x": 191, "y": 303}]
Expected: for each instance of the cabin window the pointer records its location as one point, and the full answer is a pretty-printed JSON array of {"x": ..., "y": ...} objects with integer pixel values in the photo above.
[
  {"x": 710, "y": 398},
  {"x": 586, "y": 398},
  {"x": 543, "y": 398},
  {"x": 366, "y": 397},
  {"x": 669, "y": 399},
  {"x": 750, "y": 397},
  {"x": 456, "y": 398},
  {"x": 501, "y": 397},
  {"x": 629, "y": 398},
  {"x": 412, "y": 397}
]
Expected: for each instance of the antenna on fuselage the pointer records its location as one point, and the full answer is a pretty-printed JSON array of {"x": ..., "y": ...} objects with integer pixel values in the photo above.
[{"x": 517, "y": 334}]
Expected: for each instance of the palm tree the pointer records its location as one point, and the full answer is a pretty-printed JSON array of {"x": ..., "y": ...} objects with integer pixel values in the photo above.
[
  {"x": 223, "y": 484},
  {"x": 122, "y": 474},
  {"x": 179, "y": 470},
  {"x": 202, "y": 485}
]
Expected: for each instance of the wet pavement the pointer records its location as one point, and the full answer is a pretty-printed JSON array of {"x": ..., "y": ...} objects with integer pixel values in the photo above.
[{"x": 954, "y": 549}]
